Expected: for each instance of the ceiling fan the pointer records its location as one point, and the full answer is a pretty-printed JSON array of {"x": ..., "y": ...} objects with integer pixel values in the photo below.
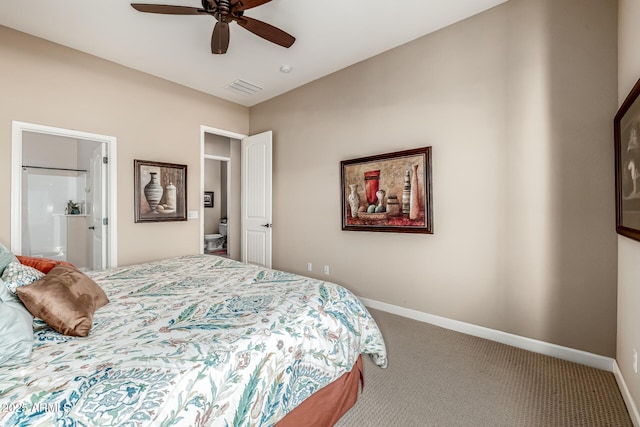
[{"x": 225, "y": 12}]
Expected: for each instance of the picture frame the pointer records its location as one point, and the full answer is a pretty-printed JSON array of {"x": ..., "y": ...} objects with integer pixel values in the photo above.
[
  {"x": 208, "y": 199},
  {"x": 399, "y": 187},
  {"x": 626, "y": 126},
  {"x": 160, "y": 191}
]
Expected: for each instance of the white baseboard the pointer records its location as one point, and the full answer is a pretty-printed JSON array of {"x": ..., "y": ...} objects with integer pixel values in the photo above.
[
  {"x": 626, "y": 395},
  {"x": 565, "y": 353}
]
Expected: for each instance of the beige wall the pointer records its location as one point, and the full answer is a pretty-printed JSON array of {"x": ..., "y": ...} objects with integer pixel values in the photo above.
[
  {"x": 628, "y": 250},
  {"x": 151, "y": 118},
  {"x": 517, "y": 104}
]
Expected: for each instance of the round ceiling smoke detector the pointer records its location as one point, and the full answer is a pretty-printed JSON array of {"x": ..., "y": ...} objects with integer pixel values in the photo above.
[{"x": 286, "y": 69}]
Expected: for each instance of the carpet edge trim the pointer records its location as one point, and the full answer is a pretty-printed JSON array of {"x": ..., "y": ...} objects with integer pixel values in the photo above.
[{"x": 537, "y": 346}]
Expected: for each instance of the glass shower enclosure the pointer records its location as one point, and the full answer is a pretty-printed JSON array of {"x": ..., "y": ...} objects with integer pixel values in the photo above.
[
  {"x": 53, "y": 213},
  {"x": 60, "y": 195}
]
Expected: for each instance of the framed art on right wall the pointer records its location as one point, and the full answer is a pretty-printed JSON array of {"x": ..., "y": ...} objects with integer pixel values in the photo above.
[{"x": 626, "y": 127}]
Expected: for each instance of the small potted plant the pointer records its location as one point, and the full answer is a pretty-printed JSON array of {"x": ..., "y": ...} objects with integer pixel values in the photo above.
[{"x": 72, "y": 208}]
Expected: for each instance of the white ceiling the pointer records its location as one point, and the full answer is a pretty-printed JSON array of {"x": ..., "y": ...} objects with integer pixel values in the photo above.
[{"x": 330, "y": 35}]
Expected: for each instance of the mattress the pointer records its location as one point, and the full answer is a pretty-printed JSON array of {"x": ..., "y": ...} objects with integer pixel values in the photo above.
[{"x": 194, "y": 340}]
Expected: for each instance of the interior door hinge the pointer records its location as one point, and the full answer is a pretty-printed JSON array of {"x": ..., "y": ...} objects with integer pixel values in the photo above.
[
  {"x": 105, "y": 221},
  {"x": 105, "y": 160}
]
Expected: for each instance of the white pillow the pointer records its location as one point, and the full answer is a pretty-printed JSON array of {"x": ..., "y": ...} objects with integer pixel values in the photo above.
[
  {"x": 16, "y": 329},
  {"x": 6, "y": 256}
]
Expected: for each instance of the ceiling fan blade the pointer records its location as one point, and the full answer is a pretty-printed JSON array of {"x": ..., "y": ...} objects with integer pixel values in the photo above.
[
  {"x": 220, "y": 38},
  {"x": 266, "y": 31},
  {"x": 166, "y": 9},
  {"x": 240, "y": 5}
]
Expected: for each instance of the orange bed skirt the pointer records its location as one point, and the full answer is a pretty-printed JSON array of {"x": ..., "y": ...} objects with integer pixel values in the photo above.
[{"x": 326, "y": 406}]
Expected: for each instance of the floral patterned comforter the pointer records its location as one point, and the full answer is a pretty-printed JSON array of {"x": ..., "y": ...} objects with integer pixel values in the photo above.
[{"x": 195, "y": 340}]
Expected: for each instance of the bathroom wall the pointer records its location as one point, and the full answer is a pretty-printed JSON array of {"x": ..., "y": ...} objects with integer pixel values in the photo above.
[
  {"x": 224, "y": 212},
  {"x": 212, "y": 170}
]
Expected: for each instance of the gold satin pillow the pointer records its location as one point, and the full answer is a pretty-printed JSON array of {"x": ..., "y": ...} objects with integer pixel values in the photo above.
[{"x": 65, "y": 299}]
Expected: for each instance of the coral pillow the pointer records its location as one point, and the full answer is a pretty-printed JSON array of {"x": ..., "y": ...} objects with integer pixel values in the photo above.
[
  {"x": 65, "y": 299},
  {"x": 42, "y": 264}
]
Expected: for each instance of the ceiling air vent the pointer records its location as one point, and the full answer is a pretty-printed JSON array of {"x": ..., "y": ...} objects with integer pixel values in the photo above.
[{"x": 243, "y": 87}]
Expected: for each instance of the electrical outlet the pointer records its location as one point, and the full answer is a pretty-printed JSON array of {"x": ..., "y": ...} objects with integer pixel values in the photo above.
[
  {"x": 309, "y": 266},
  {"x": 635, "y": 361},
  {"x": 326, "y": 270}
]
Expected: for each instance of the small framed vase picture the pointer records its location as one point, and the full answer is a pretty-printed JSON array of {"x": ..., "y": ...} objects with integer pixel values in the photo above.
[
  {"x": 388, "y": 192},
  {"x": 208, "y": 199},
  {"x": 626, "y": 127},
  {"x": 160, "y": 191}
]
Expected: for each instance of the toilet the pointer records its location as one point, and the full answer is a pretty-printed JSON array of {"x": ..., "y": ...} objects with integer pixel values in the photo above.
[
  {"x": 216, "y": 241},
  {"x": 213, "y": 241}
]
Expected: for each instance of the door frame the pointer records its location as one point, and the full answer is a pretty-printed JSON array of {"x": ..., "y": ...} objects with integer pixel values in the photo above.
[
  {"x": 17, "y": 130},
  {"x": 221, "y": 132}
]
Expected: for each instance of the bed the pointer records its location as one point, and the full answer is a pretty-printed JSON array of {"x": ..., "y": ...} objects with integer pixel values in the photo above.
[{"x": 197, "y": 340}]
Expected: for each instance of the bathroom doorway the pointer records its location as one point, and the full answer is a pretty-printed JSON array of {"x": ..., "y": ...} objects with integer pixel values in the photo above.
[
  {"x": 223, "y": 147},
  {"x": 246, "y": 202},
  {"x": 62, "y": 196},
  {"x": 217, "y": 180}
]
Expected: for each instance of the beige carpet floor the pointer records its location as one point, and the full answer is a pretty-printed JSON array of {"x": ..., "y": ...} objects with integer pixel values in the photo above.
[{"x": 438, "y": 377}]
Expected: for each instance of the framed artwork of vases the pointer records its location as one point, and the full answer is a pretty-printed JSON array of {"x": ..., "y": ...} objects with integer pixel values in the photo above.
[
  {"x": 160, "y": 191},
  {"x": 389, "y": 192}
]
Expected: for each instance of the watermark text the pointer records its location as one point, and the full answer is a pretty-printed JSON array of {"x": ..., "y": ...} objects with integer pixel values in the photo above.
[{"x": 34, "y": 407}]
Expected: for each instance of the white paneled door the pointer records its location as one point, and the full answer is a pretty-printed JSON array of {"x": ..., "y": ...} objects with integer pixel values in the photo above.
[
  {"x": 256, "y": 199},
  {"x": 98, "y": 204}
]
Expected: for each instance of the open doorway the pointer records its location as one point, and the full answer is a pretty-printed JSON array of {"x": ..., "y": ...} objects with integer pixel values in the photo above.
[
  {"x": 249, "y": 212},
  {"x": 217, "y": 194},
  {"x": 220, "y": 175},
  {"x": 63, "y": 195}
]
